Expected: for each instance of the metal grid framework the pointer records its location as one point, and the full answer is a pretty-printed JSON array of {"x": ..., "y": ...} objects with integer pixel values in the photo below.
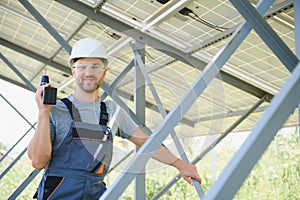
[
  {"x": 31, "y": 48},
  {"x": 181, "y": 42}
]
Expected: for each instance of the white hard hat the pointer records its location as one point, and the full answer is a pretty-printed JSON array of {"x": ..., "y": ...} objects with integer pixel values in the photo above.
[{"x": 88, "y": 48}]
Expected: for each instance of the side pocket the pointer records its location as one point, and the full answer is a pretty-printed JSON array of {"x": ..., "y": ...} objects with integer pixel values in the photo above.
[
  {"x": 50, "y": 186},
  {"x": 102, "y": 190}
]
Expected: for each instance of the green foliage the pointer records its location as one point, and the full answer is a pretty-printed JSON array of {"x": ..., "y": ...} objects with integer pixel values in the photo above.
[
  {"x": 275, "y": 176},
  {"x": 15, "y": 176}
]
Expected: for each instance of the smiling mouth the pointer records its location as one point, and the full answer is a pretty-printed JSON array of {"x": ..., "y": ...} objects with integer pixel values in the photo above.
[{"x": 89, "y": 79}]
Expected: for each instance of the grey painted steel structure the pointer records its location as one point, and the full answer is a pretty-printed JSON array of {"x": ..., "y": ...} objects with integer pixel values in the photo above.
[
  {"x": 67, "y": 71},
  {"x": 159, "y": 45},
  {"x": 28, "y": 83},
  {"x": 163, "y": 113},
  {"x": 297, "y": 42},
  {"x": 276, "y": 114},
  {"x": 46, "y": 25},
  {"x": 211, "y": 146},
  {"x": 264, "y": 131},
  {"x": 286, "y": 96},
  {"x": 139, "y": 107},
  {"x": 24, "y": 184},
  {"x": 210, "y": 72}
]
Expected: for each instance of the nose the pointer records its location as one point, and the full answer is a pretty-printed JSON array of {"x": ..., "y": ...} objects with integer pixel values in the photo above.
[{"x": 89, "y": 70}]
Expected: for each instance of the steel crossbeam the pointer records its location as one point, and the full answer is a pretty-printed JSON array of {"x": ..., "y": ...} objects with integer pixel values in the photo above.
[
  {"x": 164, "y": 113},
  {"x": 139, "y": 108},
  {"x": 276, "y": 114},
  {"x": 265, "y": 31},
  {"x": 211, "y": 146},
  {"x": 19, "y": 74},
  {"x": 211, "y": 70},
  {"x": 281, "y": 106},
  {"x": 46, "y": 25},
  {"x": 297, "y": 42}
]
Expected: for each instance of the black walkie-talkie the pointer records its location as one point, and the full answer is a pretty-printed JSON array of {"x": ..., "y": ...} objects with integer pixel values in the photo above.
[{"x": 49, "y": 93}]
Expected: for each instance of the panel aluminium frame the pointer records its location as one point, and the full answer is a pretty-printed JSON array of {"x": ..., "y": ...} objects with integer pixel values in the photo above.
[
  {"x": 158, "y": 44},
  {"x": 46, "y": 25},
  {"x": 267, "y": 34},
  {"x": 210, "y": 72}
]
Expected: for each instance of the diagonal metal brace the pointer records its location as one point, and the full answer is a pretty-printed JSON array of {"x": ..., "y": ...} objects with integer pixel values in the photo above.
[
  {"x": 164, "y": 113},
  {"x": 265, "y": 31}
]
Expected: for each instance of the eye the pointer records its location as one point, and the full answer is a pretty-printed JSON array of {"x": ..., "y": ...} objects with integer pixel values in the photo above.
[
  {"x": 82, "y": 67},
  {"x": 96, "y": 66}
]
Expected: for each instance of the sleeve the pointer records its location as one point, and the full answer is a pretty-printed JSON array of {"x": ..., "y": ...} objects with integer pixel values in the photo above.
[{"x": 121, "y": 120}]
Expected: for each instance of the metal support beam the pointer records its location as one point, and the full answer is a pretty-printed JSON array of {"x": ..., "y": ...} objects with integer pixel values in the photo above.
[
  {"x": 35, "y": 56},
  {"x": 19, "y": 74},
  {"x": 13, "y": 163},
  {"x": 211, "y": 146},
  {"x": 265, "y": 31},
  {"x": 20, "y": 139},
  {"x": 282, "y": 105},
  {"x": 225, "y": 34},
  {"x": 120, "y": 161},
  {"x": 163, "y": 113},
  {"x": 210, "y": 72},
  {"x": 276, "y": 114},
  {"x": 159, "y": 45},
  {"x": 31, "y": 127},
  {"x": 297, "y": 42},
  {"x": 23, "y": 185},
  {"x": 46, "y": 25},
  {"x": 139, "y": 107},
  {"x": 61, "y": 68},
  {"x": 131, "y": 114},
  {"x": 116, "y": 82}
]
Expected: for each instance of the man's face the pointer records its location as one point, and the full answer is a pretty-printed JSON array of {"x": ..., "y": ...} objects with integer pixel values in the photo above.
[{"x": 89, "y": 74}]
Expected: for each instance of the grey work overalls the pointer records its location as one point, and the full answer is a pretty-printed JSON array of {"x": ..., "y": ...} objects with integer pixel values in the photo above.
[{"x": 85, "y": 154}]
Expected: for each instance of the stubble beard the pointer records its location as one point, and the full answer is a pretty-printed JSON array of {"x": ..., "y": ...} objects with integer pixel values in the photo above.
[{"x": 89, "y": 88}]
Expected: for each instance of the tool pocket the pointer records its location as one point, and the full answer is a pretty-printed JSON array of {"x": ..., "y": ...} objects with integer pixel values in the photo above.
[{"x": 51, "y": 184}]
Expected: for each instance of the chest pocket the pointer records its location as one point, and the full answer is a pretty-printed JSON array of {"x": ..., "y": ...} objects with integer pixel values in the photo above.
[{"x": 89, "y": 146}]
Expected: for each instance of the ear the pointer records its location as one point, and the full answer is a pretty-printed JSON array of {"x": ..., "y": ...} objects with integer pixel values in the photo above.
[{"x": 73, "y": 71}]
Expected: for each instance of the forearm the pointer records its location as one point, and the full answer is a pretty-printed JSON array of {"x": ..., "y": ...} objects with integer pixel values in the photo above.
[
  {"x": 186, "y": 169},
  {"x": 165, "y": 156},
  {"x": 40, "y": 147},
  {"x": 162, "y": 154}
]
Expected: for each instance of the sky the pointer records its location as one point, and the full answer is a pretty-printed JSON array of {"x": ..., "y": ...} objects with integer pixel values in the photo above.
[{"x": 12, "y": 125}]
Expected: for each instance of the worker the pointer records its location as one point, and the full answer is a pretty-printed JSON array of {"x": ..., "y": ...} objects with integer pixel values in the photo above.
[{"x": 73, "y": 142}]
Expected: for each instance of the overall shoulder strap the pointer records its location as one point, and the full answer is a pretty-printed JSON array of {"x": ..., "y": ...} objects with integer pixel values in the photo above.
[
  {"x": 103, "y": 114},
  {"x": 72, "y": 109}
]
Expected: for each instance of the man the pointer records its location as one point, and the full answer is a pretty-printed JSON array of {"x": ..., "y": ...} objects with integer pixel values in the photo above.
[{"x": 72, "y": 140}]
